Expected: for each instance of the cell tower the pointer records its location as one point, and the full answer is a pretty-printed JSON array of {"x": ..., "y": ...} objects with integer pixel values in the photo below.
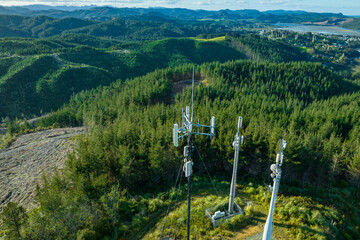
[
  {"x": 187, "y": 130},
  {"x": 233, "y": 208},
  {"x": 276, "y": 175}
]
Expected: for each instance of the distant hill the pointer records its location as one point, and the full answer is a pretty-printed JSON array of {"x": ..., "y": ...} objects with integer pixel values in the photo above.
[
  {"x": 12, "y": 32},
  {"x": 154, "y": 26},
  {"x": 262, "y": 49},
  {"x": 140, "y": 23},
  {"x": 42, "y": 26},
  {"x": 284, "y": 12},
  {"x": 41, "y": 7},
  {"x": 296, "y": 17},
  {"x": 107, "y": 13},
  {"x": 352, "y": 24},
  {"x": 14, "y": 10}
]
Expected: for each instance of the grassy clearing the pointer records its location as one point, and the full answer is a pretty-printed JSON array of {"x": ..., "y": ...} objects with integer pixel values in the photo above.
[
  {"x": 217, "y": 39},
  {"x": 296, "y": 217},
  {"x": 240, "y": 227}
]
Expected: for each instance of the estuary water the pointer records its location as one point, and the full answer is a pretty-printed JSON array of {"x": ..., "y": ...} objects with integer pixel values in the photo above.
[{"x": 331, "y": 30}]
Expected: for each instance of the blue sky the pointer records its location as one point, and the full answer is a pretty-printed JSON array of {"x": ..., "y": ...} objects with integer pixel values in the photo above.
[{"x": 349, "y": 7}]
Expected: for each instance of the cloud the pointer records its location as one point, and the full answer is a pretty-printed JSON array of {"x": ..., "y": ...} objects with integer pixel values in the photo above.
[
  {"x": 72, "y": 2},
  {"x": 272, "y": 2},
  {"x": 224, "y": 4},
  {"x": 167, "y": 1}
]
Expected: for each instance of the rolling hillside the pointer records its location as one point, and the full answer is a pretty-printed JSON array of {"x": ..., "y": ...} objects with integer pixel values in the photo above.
[
  {"x": 149, "y": 28},
  {"x": 39, "y": 75},
  {"x": 18, "y": 84},
  {"x": 48, "y": 72},
  {"x": 38, "y": 27},
  {"x": 262, "y": 49}
]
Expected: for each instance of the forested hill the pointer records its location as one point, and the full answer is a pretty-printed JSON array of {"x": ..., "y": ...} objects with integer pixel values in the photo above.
[
  {"x": 135, "y": 29},
  {"x": 130, "y": 136},
  {"x": 39, "y": 75},
  {"x": 262, "y": 49}
]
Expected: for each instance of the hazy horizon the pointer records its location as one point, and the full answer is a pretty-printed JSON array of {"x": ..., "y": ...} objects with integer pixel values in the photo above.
[{"x": 347, "y": 7}]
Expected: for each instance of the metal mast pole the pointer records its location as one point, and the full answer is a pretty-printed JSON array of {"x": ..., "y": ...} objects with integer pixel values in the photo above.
[
  {"x": 276, "y": 175},
  {"x": 236, "y": 145},
  {"x": 189, "y": 159},
  {"x": 186, "y": 129},
  {"x": 192, "y": 93}
]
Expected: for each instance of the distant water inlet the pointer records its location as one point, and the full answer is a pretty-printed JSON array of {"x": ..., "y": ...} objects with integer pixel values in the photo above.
[{"x": 330, "y": 30}]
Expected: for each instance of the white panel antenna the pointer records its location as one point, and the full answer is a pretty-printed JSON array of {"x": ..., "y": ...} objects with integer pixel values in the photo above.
[
  {"x": 186, "y": 130},
  {"x": 176, "y": 135}
]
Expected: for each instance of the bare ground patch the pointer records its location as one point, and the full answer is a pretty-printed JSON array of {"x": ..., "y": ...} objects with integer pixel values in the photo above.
[{"x": 23, "y": 164}]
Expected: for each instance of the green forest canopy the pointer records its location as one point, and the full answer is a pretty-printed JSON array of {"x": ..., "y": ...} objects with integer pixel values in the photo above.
[
  {"x": 130, "y": 136},
  {"x": 41, "y": 75},
  {"x": 38, "y": 76}
]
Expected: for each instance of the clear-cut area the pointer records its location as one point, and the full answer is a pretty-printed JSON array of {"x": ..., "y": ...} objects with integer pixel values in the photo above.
[{"x": 32, "y": 155}]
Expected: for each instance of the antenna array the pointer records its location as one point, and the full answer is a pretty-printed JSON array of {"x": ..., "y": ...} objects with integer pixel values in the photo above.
[{"x": 186, "y": 129}]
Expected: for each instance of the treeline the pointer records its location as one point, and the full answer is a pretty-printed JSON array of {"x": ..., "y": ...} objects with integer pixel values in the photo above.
[
  {"x": 129, "y": 150},
  {"x": 260, "y": 48}
]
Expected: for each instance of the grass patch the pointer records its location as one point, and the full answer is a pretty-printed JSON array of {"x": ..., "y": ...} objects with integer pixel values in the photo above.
[
  {"x": 296, "y": 217},
  {"x": 174, "y": 224},
  {"x": 216, "y": 39}
]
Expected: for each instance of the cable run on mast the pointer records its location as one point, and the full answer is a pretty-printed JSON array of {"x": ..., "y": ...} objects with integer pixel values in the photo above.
[
  {"x": 169, "y": 207},
  {"x": 185, "y": 130}
]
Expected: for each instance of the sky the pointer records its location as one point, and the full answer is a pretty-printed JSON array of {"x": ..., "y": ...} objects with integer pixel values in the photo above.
[{"x": 347, "y": 7}]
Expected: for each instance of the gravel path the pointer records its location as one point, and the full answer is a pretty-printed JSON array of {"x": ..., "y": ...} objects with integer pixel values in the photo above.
[{"x": 23, "y": 164}]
